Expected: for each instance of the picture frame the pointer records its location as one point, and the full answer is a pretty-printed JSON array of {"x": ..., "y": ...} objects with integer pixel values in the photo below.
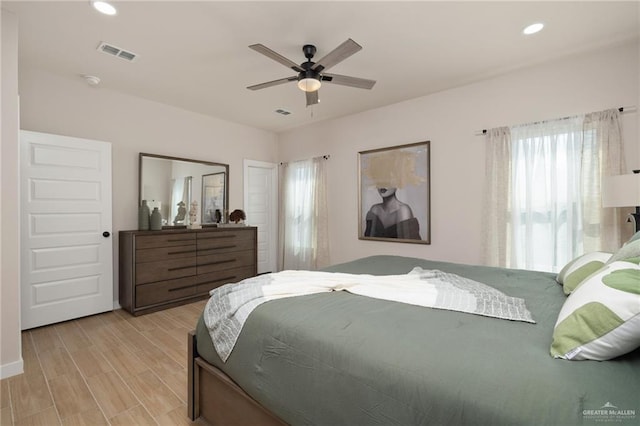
[
  {"x": 213, "y": 191},
  {"x": 394, "y": 194}
]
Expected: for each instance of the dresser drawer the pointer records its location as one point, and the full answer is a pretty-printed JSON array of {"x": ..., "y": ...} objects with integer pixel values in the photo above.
[
  {"x": 165, "y": 269},
  {"x": 208, "y": 240},
  {"x": 222, "y": 261},
  {"x": 207, "y": 282},
  {"x": 167, "y": 240},
  {"x": 164, "y": 291},
  {"x": 228, "y": 246},
  {"x": 165, "y": 253}
]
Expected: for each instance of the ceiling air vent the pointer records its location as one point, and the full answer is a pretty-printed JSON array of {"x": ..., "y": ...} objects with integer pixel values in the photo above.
[
  {"x": 283, "y": 111},
  {"x": 112, "y": 50}
]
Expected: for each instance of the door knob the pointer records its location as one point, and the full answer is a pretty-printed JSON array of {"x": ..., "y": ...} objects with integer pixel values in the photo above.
[{"x": 106, "y": 234}]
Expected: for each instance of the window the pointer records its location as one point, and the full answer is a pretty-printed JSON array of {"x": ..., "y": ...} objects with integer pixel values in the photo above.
[
  {"x": 304, "y": 215},
  {"x": 546, "y": 207},
  {"x": 543, "y": 204}
]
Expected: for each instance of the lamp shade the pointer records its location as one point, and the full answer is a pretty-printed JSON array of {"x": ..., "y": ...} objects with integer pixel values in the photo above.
[
  {"x": 621, "y": 191},
  {"x": 309, "y": 84}
]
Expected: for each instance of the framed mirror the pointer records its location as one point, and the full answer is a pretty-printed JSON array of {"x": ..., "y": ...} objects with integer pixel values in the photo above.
[{"x": 172, "y": 184}]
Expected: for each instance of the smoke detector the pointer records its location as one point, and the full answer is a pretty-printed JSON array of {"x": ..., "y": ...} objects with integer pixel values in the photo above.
[{"x": 92, "y": 80}]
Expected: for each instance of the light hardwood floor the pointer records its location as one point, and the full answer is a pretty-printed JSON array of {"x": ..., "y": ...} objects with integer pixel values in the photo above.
[{"x": 110, "y": 368}]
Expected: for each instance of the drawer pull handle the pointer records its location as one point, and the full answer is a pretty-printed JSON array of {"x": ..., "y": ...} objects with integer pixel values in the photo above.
[
  {"x": 181, "y": 267},
  {"x": 218, "y": 237},
  {"x": 175, "y": 240},
  {"x": 183, "y": 287},
  {"x": 230, "y": 278},
  {"x": 181, "y": 251},
  {"x": 207, "y": 282},
  {"x": 219, "y": 248},
  {"x": 219, "y": 262}
]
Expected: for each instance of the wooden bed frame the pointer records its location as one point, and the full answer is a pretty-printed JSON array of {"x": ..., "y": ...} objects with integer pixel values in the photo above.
[{"x": 217, "y": 399}]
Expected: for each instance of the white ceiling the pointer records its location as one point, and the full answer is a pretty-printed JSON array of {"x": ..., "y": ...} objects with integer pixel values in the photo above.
[{"x": 194, "y": 55}]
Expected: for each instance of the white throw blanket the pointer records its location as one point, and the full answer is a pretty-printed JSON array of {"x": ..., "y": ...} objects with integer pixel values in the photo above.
[{"x": 230, "y": 305}]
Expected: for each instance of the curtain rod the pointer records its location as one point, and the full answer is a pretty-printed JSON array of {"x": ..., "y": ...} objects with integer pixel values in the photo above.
[
  {"x": 622, "y": 109},
  {"x": 324, "y": 157}
]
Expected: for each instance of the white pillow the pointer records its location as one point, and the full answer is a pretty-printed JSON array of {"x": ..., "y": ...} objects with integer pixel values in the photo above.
[
  {"x": 600, "y": 320},
  {"x": 580, "y": 268}
]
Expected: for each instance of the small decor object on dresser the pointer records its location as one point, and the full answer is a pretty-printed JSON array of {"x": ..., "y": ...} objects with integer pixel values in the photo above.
[
  {"x": 155, "y": 223},
  {"x": 143, "y": 216},
  {"x": 193, "y": 216},
  {"x": 237, "y": 215},
  {"x": 193, "y": 212},
  {"x": 182, "y": 212}
]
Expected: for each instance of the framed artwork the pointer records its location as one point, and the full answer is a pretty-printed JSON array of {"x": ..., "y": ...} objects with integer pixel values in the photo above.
[
  {"x": 213, "y": 197},
  {"x": 394, "y": 194}
]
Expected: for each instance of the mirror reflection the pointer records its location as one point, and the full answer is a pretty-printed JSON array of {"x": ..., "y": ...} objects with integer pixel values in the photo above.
[{"x": 172, "y": 185}]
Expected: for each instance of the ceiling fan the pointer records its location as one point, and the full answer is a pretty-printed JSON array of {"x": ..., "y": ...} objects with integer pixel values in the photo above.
[{"x": 311, "y": 74}]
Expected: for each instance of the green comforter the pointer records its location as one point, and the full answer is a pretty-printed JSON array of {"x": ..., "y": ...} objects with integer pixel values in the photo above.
[{"x": 342, "y": 359}]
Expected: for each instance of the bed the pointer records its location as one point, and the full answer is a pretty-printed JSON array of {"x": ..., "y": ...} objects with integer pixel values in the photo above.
[{"x": 340, "y": 358}]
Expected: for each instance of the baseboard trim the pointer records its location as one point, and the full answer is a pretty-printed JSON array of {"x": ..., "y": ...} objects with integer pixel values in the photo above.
[{"x": 11, "y": 369}]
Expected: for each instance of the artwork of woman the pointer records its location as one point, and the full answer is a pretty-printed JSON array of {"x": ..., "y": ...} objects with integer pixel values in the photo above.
[
  {"x": 391, "y": 218},
  {"x": 394, "y": 193}
]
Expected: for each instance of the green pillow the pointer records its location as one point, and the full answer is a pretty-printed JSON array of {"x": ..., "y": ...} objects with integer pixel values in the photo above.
[
  {"x": 580, "y": 268},
  {"x": 627, "y": 251},
  {"x": 634, "y": 237},
  {"x": 600, "y": 320}
]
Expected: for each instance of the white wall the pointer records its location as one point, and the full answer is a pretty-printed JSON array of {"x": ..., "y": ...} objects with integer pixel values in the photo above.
[
  {"x": 450, "y": 119},
  {"x": 53, "y": 104},
  {"x": 10, "y": 342}
]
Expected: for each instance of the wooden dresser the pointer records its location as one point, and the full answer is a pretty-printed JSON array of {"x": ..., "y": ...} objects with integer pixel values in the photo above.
[{"x": 162, "y": 269}]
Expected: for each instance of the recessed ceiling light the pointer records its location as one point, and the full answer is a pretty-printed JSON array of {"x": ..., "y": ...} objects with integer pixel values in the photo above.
[
  {"x": 533, "y": 28},
  {"x": 104, "y": 7}
]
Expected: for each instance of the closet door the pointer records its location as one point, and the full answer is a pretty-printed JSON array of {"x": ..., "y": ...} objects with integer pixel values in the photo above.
[
  {"x": 261, "y": 207},
  {"x": 65, "y": 220}
]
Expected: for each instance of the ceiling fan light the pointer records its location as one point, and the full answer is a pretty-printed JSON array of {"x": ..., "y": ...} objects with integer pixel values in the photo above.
[{"x": 309, "y": 84}]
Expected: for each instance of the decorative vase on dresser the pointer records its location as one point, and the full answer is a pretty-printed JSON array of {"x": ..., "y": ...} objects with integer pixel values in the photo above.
[
  {"x": 143, "y": 216},
  {"x": 162, "y": 269},
  {"x": 155, "y": 221}
]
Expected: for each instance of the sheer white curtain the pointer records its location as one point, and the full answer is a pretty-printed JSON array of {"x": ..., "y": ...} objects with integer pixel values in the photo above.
[
  {"x": 303, "y": 215},
  {"x": 543, "y": 191},
  {"x": 496, "y": 227},
  {"x": 546, "y": 206},
  {"x": 603, "y": 132}
]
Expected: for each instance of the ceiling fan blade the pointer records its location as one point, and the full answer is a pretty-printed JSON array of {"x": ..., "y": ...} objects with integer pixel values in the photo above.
[
  {"x": 345, "y": 80},
  {"x": 337, "y": 55},
  {"x": 276, "y": 56},
  {"x": 312, "y": 98},
  {"x": 272, "y": 83}
]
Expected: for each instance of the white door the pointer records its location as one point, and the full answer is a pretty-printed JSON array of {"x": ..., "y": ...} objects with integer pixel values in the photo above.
[
  {"x": 261, "y": 208},
  {"x": 65, "y": 215}
]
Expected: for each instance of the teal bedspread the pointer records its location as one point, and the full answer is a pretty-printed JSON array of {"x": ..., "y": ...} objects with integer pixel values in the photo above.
[{"x": 342, "y": 359}]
